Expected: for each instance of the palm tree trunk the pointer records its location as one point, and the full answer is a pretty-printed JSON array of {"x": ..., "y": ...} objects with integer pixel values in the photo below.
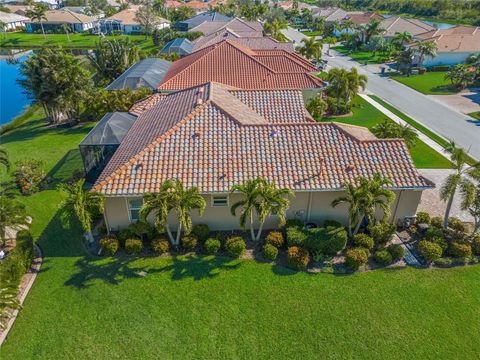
[
  {"x": 179, "y": 232},
  {"x": 252, "y": 231},
  {"x": 259, "y": 232},
  {"x": 89, "y": 236},
  {"x": 447, "y": 210},
  {"x": 170, "y": 236},
  {"x": 358, "y": 225},
  {"x": 43, "y": 31}
]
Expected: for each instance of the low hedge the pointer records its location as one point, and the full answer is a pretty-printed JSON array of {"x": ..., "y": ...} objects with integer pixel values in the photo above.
[
  {"x": 212, "y": 246},
  {"x": 235, "y": 246},
  {"x": 297, "y": 258},
  {"x": 383, "y": 257},
  {"x": 429, "y": 251},
  {"x": 355, "y": 258},
  {"x": 437, "y": 222},
  {"x": 270, "y": 252},
  {"x": 460, "y": 250},
  {"x": 20, "y": 259},
  {"x": 160, "y": 246},
  {"x": 275, "y": 238},
  {"x": 133, "y": 246},
  {"x": 201, "y": 231},
  {"x": 363, "y": 240},
  {"x": 423, "y": 217},
  {"x": 189, "y": 242},
  {"x": 109, "y": 245},
  {"x": 381, "y": 233},
  {"x": 397, "y": 251},
  {"x": 296, "y": 236}
]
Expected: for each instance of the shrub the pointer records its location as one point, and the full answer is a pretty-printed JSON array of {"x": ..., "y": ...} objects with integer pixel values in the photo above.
[
  {"x": 294, "y": 223},
  {"x": 295, "y": 236},
  {"x": 12, "y": 268},
  {"x": 381, "y": 233},
  {"x": 212, "y": 245},
  {"x": 109, "y": 245},
  {"x": 383, "y": 257},
  {"x": 332, "y": 223},
  {"x": 25, "y": 248},
  {"x": 270, "y": 252},
  {"x": 440, "y": 241},
  {"x": 326, "y": 241},
  {"x": 476, "y": 244},
  {"x": 355, "y": 258},
  {"x": 457, "y": 225},
  {"x": 423, "y": 217},
  {"x": 397, "y": 251},
  {"x": 189, "y": 242},
  {"x": 437, "y": 222},
  {"x": 133, "y": 246},
  {"x": 460, "y": 250},
  {"x": 201, "y": 231},
  {"x": 297, "y": 258},
  {"x": 429, "y": 250},
  {"x": 432, "y": 233},
  {"x": 160, "y": 246},
  {"x": 444, "y": 262},
  {"x": 275, "y": 238},
  {"x": 363, "y": 240},
  {"x": 125, "y": 234},
  {"x": 337, "y": 240},
  {"x": 140, "y": 228},
  {"x": 235, "y": 246},
  {"x": 29, "y": 175}
]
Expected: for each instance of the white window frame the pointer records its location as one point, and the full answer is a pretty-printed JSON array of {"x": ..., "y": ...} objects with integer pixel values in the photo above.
[
  {"x": 220, "y": 196},
  {"x": 129, "y": 208}
]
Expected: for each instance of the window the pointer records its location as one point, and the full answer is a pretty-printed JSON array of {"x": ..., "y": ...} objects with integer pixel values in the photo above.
[
  {"x": 219, "y": 200},
  {"x": 134, "y": 206}
]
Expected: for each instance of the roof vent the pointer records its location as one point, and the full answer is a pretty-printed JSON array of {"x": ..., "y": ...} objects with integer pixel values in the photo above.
[
  {"x": 196, "y": 135},
  {"x": 199, "y": 101},
  {"x": 350, "y": 167},
  {"x": 222, "y": 176},
  {"x": 273, "y": 133},
  {"x": 138, "y": 167}
]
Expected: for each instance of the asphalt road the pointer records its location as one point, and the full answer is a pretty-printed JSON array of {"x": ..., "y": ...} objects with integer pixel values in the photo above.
[{"x": 443, "y": 120}]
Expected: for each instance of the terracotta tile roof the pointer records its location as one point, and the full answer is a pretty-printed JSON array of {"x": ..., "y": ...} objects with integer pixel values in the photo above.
[
  {"x": 64, "y": 16},
  {"x": 456, "y": 39},
  {"x": 214, "y": 137},
  {"x": 363, "y": 17},
  {"x": 239, "y": 26},
  {"x": 397, "y": 24},
  {"x": 129, "y": 16},
  {"x": 196, "y": 5},
  {"x": 141, "y": 106},
  {"x": 253, "y": 69}
]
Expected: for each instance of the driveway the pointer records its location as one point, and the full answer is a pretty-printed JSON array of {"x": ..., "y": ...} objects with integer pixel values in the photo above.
[
  {"x": 466, "y": 102},
  {"x": 434, "y": 115}
]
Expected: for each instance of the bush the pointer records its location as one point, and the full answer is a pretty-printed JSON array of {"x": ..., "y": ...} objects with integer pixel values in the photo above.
[
  {"x": 212, "y": 245},
  {"x": 355, "y": 258},
  {"x": 444, "y": 262},
  {"x": 29, "y": 176},
  {"x": 460, "y": 250},
  {"x": 160, "y": 246},
  {"x": 294, "y": 223},
  {"x": 381, "y": 233},
  {"x": 275, "y": 238},
  {"x": 430, "y": 251},
  {"x": 423, "y": 217},
  {"x": 270, "y": 252},
  {"x": 476, "y": 244},
  {"x": 383, "y": 257},
  {"x": 297, "y": 258},
  {"x": 397, "y": 251},
  {"x": 432, "y": 233},
  {"x": 126, "y": 234},
  {"x": 457, "y": 225},
  {"x": 337, "y": 240},
  {"x": 326, "y": 241},
  {"x": 13, "y": 267},
  {"x": 332, "y": 223},
  {"x": 363, "y": 240},
  {"x": 109, "y": 245},
  {"x": 437, "y": 222},
  {"x": 296, "y": 236},
  {"x": 201, "y": 231},
  {"x": 25, "y": 248},
  {"x": 189, "y": 242},
  {"x": 440, "y": 241},
  {"x": 140, "y": 228},
  {"x": 133, "y": 246},
  {"x": 235, "y": 246}
]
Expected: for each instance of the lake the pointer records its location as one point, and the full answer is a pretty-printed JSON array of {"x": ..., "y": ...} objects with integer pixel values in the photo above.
[{"x": 13, "y": 101}]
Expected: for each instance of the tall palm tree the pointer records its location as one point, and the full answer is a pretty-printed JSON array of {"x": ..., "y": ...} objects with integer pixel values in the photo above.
[
  {"x": 250, "y": 203},
  {"x": 355, "y": 82},
  {"x": 338, "y": 83},
  {"x": 311, "y": 49},
  {"x": 66, "y": 29},
  {"x": 461, "y": 177},
  {"x": 84, "y": 203},
  {"x": 352, "y": 197},
  {"x": 274, "y": 29},
  {"x": 330, "y": 41},
  {"x": 38, "y": 14},
  {"x": 402, "y": 38},
  {"x": 12, "y": 216},
  {"x": 425, "y": 48},
  {"x": 371, "y": 29},
  {"x": 4, "y": 158}
]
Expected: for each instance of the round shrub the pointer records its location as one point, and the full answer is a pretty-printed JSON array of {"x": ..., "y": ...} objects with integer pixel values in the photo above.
[
  {"x": 275, "y": 238},
  {"x": 363, "y": 240},
  {"x": 109, "y": 245},
  {"x": 297, "y": 258},
  {"x": 141, "y": 228},
  {"x": 383, "y": 257},
  {"x": 212, "y": 245},
  {"x": 332, "y": 223},
  {"x": 189, "y": 242},
  {"x": 457, "y": 225},
  {"x": 476, "y": 244},
  {"x": 397, "y": 251},
  {"x": 160, "y": 246},
  {"x": 133, "y": 246},
  {"x": 430, "y": 251},
  {"x": 355, "y": 258},
  {"x": 294, "y": 223},
  {"x": 433, "y": 232},
  {"x": 460, "y": 250},
  {"x": 423, "y": 217},
  {"x": 270, "y": 252},
  {"x": 381, "y": 233},
  {"x": 201, "y": 231},
  {"x": 440, "y": 241},
  {"x": 437, "y": 222},
  {"x": 235, "y": 246},
  {"x": 336, "y": 241},
  {"x": 125, "y": 234},
  {"x": 296, "y": 236}
]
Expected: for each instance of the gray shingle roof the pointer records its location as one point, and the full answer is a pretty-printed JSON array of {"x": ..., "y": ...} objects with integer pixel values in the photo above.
[{"x": 181, "y": 46}]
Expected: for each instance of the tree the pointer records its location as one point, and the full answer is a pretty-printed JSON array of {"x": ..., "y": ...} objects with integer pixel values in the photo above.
[
  {"x": 389, "y": 130},
  {"x": 330, "y": 41},
  {"x": 4, "y": 160},
  {"x": 148, "y": 18},
  {"x": 352, "y": 198},
  {"x": 86, "y": 204},
  {"x": 344, "y": 85},
  {"x": 181, "y": 13},
  {"x": 311, "y": 49},
  {"x": 317, "y": 107},
  {"x": 461, "y": 177},
  {"x": 460, "y": 75},
  {"x": 471, "y": 202},
  {"x": 404, "y": 61},
  {"x": 402, "y": 38},
  {"x": 274, "y": 29},
  {"x": 371, "y": 29},
  {"x": 12, "y": 216},
  {"x": 38, "y": 14},
  {"x": 425, "y": 48},
  {"x": 66, "y": 29}
]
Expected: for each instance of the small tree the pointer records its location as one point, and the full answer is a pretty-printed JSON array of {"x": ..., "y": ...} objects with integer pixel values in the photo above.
[
  {"x": 274, "y": 29},
  {"x": 4, "y": 160},
  {"x": 311, "y": 49},
  {"x": 471, "y": 202},
  {"x": 371, "y": 29},
  {"x": 66, "y": 29},
  {"x": 353, "y": 196},
  {"x": 38, "y": 14},
  {"x": 425, "y": 48},
  {"x": 460, "y": 75},
  {"x": 148, "y": 18},
  {"x": 12, "y": 216},
  {"x": 402, "y": 38}
]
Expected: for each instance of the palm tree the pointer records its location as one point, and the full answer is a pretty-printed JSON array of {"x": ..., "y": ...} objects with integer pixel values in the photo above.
[
  {"x": 4, "y": 158},
  {"x": 462, "y": 176},
  {"x": 66, "y": 28},
  {"x": 407, "y": 133},
  {"x": 471, "y": 202},
  {"x": 352, "y": 197},
  {"x": 12, "y": 216},
  {"x": 38, "y": 14},
  {"x": 355, "y": 81},
  {"x": 371, "y": 29},
  {"x": 274, "y": 29},
  {"x": 8, "y": 300},
  {"x": 311, "y": 48},
  {"x": 425, "y": 48},
  {"x": 330, "y": 41},
  {"x": 402, "y": 38},
  {"x": 249, "y": 204},
  {"x": 84, "y": 203},
  {"x": 338, "y": 83}
]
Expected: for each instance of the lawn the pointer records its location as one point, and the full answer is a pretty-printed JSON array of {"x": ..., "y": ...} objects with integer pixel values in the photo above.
[
  {"x": 430, "y": 83},
  {"x": 475, "y": 115},
  {"x": 362, "y": 56},
  {"x": 19, "y": 40},
  {"x": 84, "y": 307},
  {"x": 364, "y": 114}
]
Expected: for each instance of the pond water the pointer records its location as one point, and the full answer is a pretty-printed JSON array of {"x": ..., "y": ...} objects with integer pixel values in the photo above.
[
  {"x": 435, "y": 24},
  {"x": 13, "y": 100}
]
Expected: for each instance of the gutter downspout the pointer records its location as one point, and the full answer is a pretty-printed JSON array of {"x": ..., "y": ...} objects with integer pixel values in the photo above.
[
  {"x": 309, "y": 206},
  {"x": 396, "y": 205}
]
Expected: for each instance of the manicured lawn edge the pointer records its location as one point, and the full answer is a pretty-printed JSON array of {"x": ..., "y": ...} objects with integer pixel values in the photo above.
[{"x": 430, "y": 83}]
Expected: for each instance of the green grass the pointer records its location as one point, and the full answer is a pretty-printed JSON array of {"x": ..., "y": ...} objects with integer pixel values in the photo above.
[
  {"x": 312, "y": 33},
  {"x": 430, "y": 83},
  {"x": 361, "y": 56},
  {"x": 475, "y": 115},
  {"x": 21, "y": 40},
  {"x": 365, "y": 114}
]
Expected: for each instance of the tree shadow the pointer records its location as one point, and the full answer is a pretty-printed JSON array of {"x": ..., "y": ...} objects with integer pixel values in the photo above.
[{"x": 64, "y": 170}]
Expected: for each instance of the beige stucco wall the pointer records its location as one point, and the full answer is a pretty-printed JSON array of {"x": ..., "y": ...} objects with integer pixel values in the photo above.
[{"x": 314, "y": 207}]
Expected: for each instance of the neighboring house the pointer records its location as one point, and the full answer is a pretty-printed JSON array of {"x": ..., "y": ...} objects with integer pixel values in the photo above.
[
  {"x": 198, "y": 6},
  {"x": 454, "y": 45},
  {"x": 173, "y": 4},
  {"x": 56, "y": 18},
  {"x": 213, "y": 136},
  {"x": 126, "y": 21},
  {"x": 397, "y": 24},
  {"x": 18, "y": 9},
  {"x": 242, "y": 28},
  {"x": 188, "y": 24},
  {"x": 85, "y": 10},
  {"x": 147, "y": 73},
  {"x": 180, "y": 46},
  {"x": 232, "y": 64},
  {"x": 330, "y": 14},
  {"x": 288, "y": 5},
  {"x": 362, "y": 18},
  {"x": 12, "y": 21}
]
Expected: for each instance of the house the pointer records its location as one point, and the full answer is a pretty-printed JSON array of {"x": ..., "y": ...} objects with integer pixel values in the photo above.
[
  {"x": 362, "y": 18},
  {"x": 396, "y": 24},
  {"x": 84, "y": 10},
  {"x": 55, "y": 19},
  {"x": 242, "y": 28},
  {"x": 209, "y": 16},
  {"x": 173, "y": 4},
  {"x": 330, "y": 14},
  {"x": 232, "y": 64},
  {"x": 198, "y": 6},
  {"x": 18, "y": 9},
  {"x": 213, "y": 136},
  {"x": 288, "y": 5},
  {"x": 180, "y": 46},
  {"x": 11, "y": 21},
  {"x": 454, "y": 45},
  {"x": 146, "y": 73},
  {"x": 126, "y": 21}
]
